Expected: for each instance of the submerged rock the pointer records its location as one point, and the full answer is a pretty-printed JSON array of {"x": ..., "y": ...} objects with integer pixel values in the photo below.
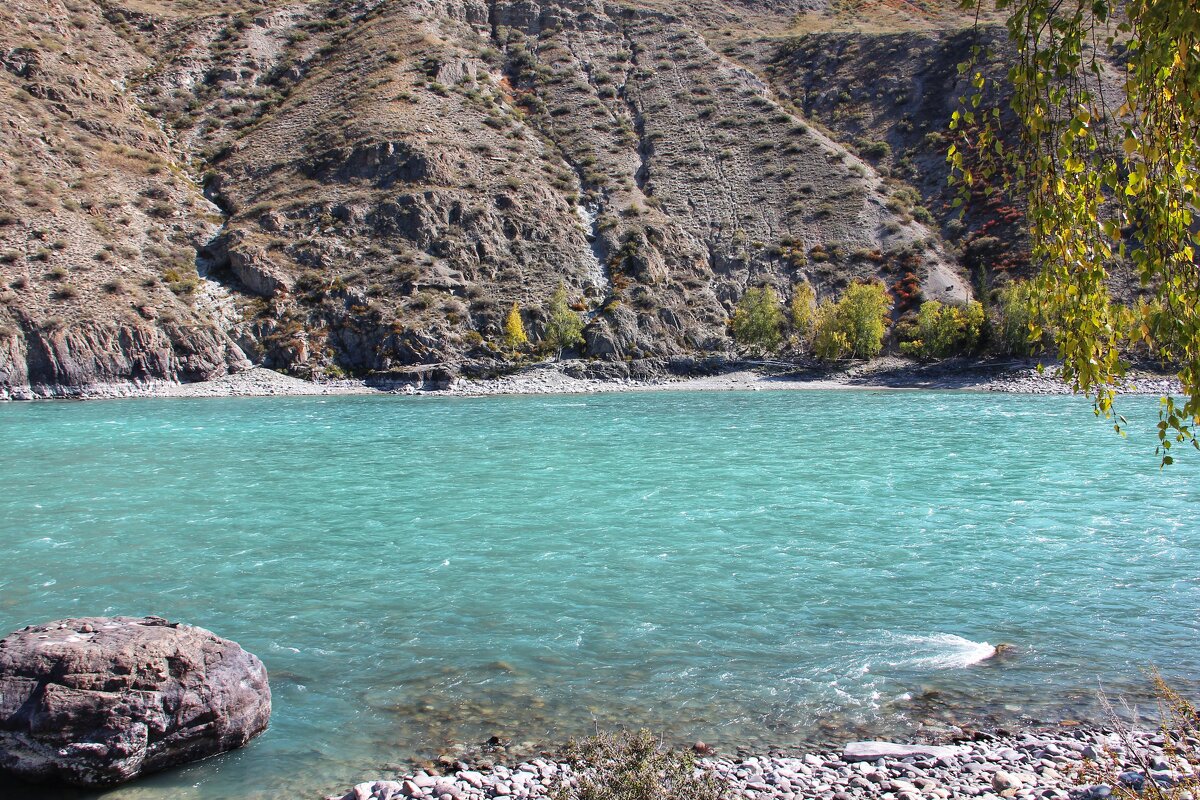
[
  {"x": 1001, "y": 652},
  {"x": 101, "y": 700}
]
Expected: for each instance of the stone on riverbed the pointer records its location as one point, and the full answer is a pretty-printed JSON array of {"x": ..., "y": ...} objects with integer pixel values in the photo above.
[
  {"x": 101, "y": 700},
  {"x": 873, "y": 751}
]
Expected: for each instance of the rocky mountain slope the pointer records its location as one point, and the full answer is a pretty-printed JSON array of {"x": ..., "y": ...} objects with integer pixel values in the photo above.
[{"x": 189, "y": 187}]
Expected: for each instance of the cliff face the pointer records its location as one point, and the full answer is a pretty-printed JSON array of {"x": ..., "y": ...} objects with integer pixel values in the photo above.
[{"x": 368, "y": 187}]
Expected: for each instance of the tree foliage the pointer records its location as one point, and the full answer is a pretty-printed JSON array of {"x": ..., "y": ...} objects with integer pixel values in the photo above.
[
  {"x": 514, "y": 328},
  {"x": 1105, "y": 177},
  {"x": 944, "y": 330},
  {"x": 1018, "y": 329},
  {"x": 564, "y": 327},
  {"x": 854, "y": 325},
  {"x": 804, "y": 309},
  {"x": 758, "y": 320}
]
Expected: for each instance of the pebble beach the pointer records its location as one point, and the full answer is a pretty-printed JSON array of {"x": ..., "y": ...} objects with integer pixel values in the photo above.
[
  {"x": 553, "y": 377},
  {"x": 1055, "y": 764}
]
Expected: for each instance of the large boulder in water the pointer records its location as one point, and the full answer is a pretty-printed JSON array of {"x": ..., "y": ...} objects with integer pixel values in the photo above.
[{"x": 101, "y": 700}]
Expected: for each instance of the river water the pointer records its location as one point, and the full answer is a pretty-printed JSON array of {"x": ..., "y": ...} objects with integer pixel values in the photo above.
[{"x": 756, "y": 569}]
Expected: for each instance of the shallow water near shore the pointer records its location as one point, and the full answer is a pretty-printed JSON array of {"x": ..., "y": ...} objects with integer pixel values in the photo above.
[{"x": 764, "y": 569}]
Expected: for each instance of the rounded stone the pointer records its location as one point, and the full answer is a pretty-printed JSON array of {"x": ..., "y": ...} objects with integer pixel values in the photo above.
[
  {"x": 99, "y": 701},
  {"x": 1002, "y": 781}
]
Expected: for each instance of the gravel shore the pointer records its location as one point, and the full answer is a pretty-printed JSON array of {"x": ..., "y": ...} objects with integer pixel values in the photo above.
[
  {"x": 1039, "y": 763},
  {"x": 570, "y": 378}
]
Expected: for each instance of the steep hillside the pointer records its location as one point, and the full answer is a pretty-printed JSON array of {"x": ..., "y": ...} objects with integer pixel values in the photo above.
[
  {"x": 330, "y": 187},
  {"x": 98, "y": 224}
]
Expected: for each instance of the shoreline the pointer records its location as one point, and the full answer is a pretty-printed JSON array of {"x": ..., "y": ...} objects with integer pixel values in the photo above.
[
  {"x": 574, "y": 378},
  {"x": 1057, "y": 762}
]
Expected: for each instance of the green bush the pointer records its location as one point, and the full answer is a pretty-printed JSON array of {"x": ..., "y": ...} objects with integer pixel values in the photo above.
[
  {"x": 876, "y": 150},
  {"x": 854, "y": 325},
  {"x": 633, "y": 766},
  {"x": 1020, "y": 328},
  {"x": 564, "y": 327},
  {"x": 945, "y": 330},
  {"x": 829, "y": 342},
  {"x": 804, "y": 309},
  {"x": 758, "y": 319}
]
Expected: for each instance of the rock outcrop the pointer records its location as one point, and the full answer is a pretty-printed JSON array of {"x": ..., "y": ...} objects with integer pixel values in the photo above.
[
  {"x": 99, "y": 701},
  {"x": 69, "y": 360}
]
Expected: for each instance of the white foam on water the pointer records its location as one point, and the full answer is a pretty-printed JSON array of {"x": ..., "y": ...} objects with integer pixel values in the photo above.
[{"x": 943, "y": 651}]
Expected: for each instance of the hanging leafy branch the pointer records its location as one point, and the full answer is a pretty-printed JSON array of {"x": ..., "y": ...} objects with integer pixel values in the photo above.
[{"x": 1107, "y": 156}]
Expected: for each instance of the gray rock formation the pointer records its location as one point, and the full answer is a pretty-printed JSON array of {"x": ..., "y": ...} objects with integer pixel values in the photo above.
[{"x": 98, "y": 701}]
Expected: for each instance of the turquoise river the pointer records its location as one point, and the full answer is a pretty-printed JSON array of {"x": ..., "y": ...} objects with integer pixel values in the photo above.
[{"x": 752, "y": 569}]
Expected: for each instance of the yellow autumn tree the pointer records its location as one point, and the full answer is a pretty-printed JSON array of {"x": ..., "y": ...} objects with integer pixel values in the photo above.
[
  {"x": 514, "y": 328},
  {"x": 1107, "y": 177}
]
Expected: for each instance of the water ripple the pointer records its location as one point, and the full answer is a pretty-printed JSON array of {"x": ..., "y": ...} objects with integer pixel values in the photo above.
[{"x": 745, "y": 568}]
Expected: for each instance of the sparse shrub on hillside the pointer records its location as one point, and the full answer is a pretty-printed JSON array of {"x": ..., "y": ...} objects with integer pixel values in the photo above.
[
  {"x": 181, "y": 281},
  {"x": 514, "y": 328},
  {"x": 854, "y": 325},
  {"x": 643, "y": 299},
  {"x": 633, "y": 766},
  {"x": 875, "y": 150},
  {"x": 945, "y": 330},
  {"x": 903, "y": 199},
  {"x": 758, "y": 320},
  {"x": 907, "y": 291},
  {"x": 983, "y": 254}
]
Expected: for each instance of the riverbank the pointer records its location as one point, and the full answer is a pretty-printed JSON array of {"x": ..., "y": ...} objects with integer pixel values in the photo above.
[
  {"x": 1055, "y": 763},
  {"x": 575, "y": 377}
]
